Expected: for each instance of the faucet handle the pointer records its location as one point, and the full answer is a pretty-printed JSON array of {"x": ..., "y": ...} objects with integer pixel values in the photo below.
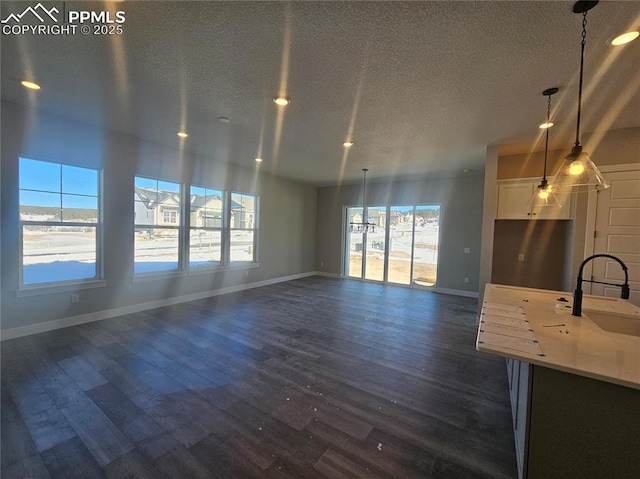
[{"x": 625, "y": 291}]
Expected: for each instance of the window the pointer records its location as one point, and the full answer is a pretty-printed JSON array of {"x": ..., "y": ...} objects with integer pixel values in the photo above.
[
  {"x": 59, "y": 222},
  {"x": 206, "y": 214},
  {"x": 402, "y": 248},
  {"x": 157, "y": 225},
  {"x": 243, "y": 211}
]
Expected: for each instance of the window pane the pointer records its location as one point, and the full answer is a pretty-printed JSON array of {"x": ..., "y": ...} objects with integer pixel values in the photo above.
[
  {"x": 241, "y": 245},
  {"x": 400, "y": 236},
  {"x": 38, "y": 206},
  {"x": 205, "y": 247},
  {"x": 80, "y": 208},
  {"x": 156, "y": 203},
  {"x": 156, "y": 249},
  {"x": 425, "y": 248},
  {"x": 39, "y": 175},
  {"x": 242, "y": 211},
  {"x": 354, "y": 244},
  {"x": 82, "y": 181},
  {"x": 58, "y": 253},
  {"x": 374, "y": 268}
]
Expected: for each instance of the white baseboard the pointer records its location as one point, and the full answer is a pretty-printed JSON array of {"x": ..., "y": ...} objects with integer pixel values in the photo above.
[{"x": 136, "y": 308}]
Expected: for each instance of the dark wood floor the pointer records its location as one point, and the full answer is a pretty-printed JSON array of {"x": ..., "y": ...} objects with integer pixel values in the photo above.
[{"x": 312, "y": 378}]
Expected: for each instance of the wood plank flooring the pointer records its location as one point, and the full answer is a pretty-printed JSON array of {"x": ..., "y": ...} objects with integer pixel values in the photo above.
[{"x": 313, "y": 378}]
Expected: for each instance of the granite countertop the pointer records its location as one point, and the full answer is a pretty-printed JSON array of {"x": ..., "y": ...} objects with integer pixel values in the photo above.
[{"x": 537, "y": 327}]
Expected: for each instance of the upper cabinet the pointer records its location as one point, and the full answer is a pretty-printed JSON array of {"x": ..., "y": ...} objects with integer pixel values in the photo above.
[{"x": 513, "y": 202}]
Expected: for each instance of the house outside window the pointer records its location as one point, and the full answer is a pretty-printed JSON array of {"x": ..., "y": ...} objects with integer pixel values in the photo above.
[
  {"x": 157, "y": 206},
  {"x": 243, "y": 213},
  {"x": 206, "y": 215},
  {"x": 60, "y": 223}
]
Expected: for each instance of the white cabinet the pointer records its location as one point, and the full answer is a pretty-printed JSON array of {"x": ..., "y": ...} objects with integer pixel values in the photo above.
[{"x": 514, "y": 197}]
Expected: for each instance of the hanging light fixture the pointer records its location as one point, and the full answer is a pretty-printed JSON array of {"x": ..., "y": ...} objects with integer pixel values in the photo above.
[
  {"x": 544, "y": 195},
  {"x": 363, "y": 226},
  {"x": 578, "y": 172}
]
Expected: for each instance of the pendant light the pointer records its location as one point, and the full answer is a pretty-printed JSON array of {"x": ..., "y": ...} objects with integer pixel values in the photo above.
[
  {"x": 363, "y": 226},
  {"x": 578, "y": 172},
  {"x": 544, "y": 195}
]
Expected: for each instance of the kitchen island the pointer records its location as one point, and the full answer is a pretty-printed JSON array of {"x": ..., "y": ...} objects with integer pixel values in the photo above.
[{"x": 574, "y": 381}]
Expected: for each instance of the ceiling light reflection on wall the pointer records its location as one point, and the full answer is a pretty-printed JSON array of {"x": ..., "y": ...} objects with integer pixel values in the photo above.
[
  {"x": 30, "y": 85},
  {"x": 624, "y": 38}
]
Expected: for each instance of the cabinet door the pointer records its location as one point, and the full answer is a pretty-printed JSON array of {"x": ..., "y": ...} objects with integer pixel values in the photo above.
[{"x": 513, "y": 199}]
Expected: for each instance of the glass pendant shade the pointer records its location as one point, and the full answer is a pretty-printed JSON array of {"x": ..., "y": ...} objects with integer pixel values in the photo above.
[
  {"x": 543, "y": 197},
  {"x": 578, "y": 173}
]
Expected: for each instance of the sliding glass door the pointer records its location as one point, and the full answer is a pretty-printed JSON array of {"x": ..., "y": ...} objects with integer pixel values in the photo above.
[
  {"x": 375, "y": 242},
  {"x": 400, "y": 248},
  {"x": 354, "y": 247}
]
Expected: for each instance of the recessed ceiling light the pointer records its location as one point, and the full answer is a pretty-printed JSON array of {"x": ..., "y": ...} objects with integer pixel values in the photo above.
[
  {"x": 624, "y": 38},
  {"x": 224, "y": 119},
  {"x": 281, "y": 101},
  {"x": 545, "y": 125},
  {"x": 258, "y": 160},
  {"x": 347, "y": 144},
  {"x": 182, "y": 134},
  {"x": 31, "y": 85}
]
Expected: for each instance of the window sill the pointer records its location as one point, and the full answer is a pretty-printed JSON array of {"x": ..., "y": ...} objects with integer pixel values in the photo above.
[
  {"x": 53, "y": 288},
  {"x": 160, "y": 275}
]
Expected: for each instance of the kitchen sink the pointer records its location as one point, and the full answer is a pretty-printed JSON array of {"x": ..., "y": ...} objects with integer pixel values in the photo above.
[{"x": 615, "y": 322}]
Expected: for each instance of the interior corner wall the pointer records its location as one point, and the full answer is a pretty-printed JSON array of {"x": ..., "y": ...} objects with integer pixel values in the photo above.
[
  {"x": 460, "y": 199},
  {"x": 287, "y": 221}
]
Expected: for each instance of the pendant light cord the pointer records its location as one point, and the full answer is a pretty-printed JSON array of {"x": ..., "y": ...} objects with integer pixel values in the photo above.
[
  {"x": 546, "y": 141},
  {"x": 582, "y": 44},
  {"x": 364, "y": 194}
]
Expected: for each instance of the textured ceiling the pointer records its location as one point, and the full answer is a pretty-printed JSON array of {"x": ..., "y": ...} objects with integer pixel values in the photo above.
[{"x": 421, "y": 87}]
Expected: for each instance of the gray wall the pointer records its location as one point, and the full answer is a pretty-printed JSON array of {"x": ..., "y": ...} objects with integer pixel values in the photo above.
[
  {"x": 287, "y": 232},
  {"x": 546, "y": 246},
  {"x": 460, "y": 222}
]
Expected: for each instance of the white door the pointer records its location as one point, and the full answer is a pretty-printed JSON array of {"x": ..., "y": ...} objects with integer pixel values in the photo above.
[{"x": 618, "y": 233}]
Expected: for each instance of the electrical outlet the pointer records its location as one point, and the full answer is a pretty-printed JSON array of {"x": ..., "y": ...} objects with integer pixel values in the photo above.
[
  {"x": 466, "y": 280},
  {"x": 321, "y": 263},
  {"x": 521, "y": 257},
  {"x": 75, "y": 298}
]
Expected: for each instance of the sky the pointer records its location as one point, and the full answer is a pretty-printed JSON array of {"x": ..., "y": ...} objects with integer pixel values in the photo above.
[{"x": 54, "y": 185}]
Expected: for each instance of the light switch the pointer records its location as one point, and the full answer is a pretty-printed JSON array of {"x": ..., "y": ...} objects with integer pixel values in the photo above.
[
  {"x": 467, "y": 250},
  {"x": 521, "y": 257}
]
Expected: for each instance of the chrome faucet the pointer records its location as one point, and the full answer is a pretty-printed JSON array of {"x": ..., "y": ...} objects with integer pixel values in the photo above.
[{"x": 577, "y": 295}]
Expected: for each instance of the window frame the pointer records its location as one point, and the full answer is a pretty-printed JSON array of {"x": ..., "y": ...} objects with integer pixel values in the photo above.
[
  {"x": 223, "y": 229},
  {"x": 255, "y": 261},
  {"x": 179, "y": 227},
  {"x": 70, "y": 284}
]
